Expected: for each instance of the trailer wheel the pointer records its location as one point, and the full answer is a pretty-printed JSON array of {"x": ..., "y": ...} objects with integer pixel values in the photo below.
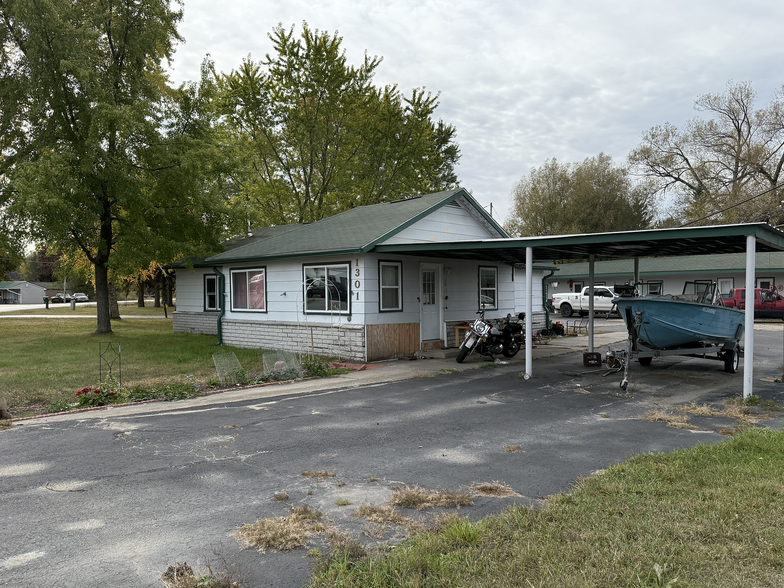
[
  {"x": 645, "y": 360},
  {"x": 731, "y": 361},
  {"x": 566, "y": 310}
]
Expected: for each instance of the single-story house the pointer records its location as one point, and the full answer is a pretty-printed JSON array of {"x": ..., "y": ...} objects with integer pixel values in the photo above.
[
  {"x": 21, "y": 293},
  {"x": 322, "y": 287},
  {"x": 668, "y": 274}
]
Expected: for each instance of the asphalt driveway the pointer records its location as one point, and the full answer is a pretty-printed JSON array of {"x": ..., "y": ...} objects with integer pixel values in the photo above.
[{"x": 113, "y": 497}]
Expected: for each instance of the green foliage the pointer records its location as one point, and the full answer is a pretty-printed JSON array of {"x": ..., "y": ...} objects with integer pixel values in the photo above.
[
  {"x": 316, "y": 368},
  {"x": 732, "y": 153},
  {"x": 593, "y": 196},
  {"x": 61, "y": 405},
  {"x": 102, "y": 158},
  {"x": 313, "y": 136},
  {"x": 165, "y": 391}
]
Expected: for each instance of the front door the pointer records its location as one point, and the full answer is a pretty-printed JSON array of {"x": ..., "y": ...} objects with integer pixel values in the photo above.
[{"x": 429, "y": 301}]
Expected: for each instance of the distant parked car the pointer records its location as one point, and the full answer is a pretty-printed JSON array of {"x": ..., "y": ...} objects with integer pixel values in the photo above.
[
  {"x": 61, "y": 298},
  {"x": 81, "y": 297}
]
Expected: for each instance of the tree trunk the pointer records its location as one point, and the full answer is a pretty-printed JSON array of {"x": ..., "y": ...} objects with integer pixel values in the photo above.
[
  {"x": 102, "y": 298},
  {"x": 114, "y": 308},
  {"x": 157, "y": 291},
  {"x": 140, "y": 292}
]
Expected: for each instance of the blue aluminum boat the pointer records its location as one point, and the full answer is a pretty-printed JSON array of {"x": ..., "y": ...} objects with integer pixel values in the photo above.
[{"x": 692, "y": 319}]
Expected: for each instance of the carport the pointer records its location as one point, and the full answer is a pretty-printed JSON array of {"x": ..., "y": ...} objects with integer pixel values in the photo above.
[{"x": 710, "y": 240}]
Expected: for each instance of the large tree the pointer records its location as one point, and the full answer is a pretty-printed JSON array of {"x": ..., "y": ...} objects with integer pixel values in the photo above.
[
  {"x": 97, "y": 158},
  {"x": 314, "y": 136},
  {"x": 593, "y": 196},
  {"x": 719, "y": 161}
]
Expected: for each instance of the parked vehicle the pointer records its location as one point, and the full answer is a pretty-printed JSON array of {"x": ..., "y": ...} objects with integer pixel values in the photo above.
[
  {"x": 487, "y": 339},
  {"x": 572, "y": 302},
  {"x": 61, "y": 298},
  {"x": 767, "y": 303},
  {"x": 81, "y": 297}
]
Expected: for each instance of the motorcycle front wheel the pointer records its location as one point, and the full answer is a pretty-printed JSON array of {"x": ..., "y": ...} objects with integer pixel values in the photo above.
[
  {"x": 462, "y": 354},
  {"x": 511, "y": 349}
]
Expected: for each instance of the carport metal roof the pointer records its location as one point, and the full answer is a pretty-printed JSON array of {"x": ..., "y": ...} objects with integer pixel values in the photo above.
[
  {"x": 657, "y": 242},
  {"x": 708, "y": 240}
]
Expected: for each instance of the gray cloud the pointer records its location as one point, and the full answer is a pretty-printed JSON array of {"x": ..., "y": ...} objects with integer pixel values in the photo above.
[{"x": 523, "y": 82}]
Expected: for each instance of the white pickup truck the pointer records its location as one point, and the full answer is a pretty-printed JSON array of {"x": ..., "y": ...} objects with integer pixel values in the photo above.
[{"x": 572, "y": 302}]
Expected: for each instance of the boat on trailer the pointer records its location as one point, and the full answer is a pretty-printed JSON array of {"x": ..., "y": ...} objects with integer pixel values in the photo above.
[{"x": 693, "y": 323}]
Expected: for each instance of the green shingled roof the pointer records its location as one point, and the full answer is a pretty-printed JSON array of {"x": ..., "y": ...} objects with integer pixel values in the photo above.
[
  {"x": 691, "y": 264},
  {"x": 353, "y": 231}
]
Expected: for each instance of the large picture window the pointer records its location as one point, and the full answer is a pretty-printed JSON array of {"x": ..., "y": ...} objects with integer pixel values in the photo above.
[
  {"x": 248, "y": 290},
  {"x": 488, "y": 288},
  {"x": 390, "y": 286},
  {"x": 327, "y": 288},
  {"x": 210, "y": 292}
]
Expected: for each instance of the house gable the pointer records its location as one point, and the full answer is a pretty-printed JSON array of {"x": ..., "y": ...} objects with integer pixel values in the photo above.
[{"x": 458, "y": 220}]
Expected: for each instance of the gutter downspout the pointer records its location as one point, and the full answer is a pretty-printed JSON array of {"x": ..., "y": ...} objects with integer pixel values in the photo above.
[
  {"x": 545, "y": 297},
  {"x": 221, "y": 302}
]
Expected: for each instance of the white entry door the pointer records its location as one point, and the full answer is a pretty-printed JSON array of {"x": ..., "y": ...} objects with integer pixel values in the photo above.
[{"x": 430, "y": 301}]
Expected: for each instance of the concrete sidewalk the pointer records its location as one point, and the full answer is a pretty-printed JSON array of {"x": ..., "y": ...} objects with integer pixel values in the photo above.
[{"x": 386, "y": 372}]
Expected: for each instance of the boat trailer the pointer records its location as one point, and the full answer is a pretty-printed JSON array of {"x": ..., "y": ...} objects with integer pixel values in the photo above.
[{"x": 728, "y": 350}]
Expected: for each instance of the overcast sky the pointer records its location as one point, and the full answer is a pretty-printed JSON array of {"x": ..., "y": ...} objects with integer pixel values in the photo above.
[{"x": 526, "y": 81}]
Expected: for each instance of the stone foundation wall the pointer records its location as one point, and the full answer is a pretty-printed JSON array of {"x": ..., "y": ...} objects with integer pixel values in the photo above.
[
  {"x": 345, "y": 340},
  {"x": 195, "y": 323}
]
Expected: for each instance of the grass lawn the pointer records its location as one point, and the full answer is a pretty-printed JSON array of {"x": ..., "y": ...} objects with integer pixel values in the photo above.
[
  {"x": 710, "y": 516},
  {"x": 47, "y": 359},
  {"x": 126, "y": 308}
]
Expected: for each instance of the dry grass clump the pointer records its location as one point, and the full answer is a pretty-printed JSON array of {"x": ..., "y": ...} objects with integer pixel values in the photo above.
[
  {"x": 282, "y": 533},
  {"x": 493, "y": 490},
  {"x": 419, "y": 498},
  {"x": 383, "y": 514},
  {"x": 513, "y": 449},
  {"x": 671, "y": 420},
  {"x": 6, "y": 424},
  {"x": 731, "y": 410},
  {"x": 181, "y": 575},
  {"x": 280, "y": 497},
  {"x": 319, "y": 475}
]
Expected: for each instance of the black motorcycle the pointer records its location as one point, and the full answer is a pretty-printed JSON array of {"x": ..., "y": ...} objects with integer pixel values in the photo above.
[{"x": 487, "y": 339}]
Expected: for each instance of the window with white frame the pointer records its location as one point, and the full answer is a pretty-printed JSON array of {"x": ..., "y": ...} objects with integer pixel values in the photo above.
[
  {"x": 327, "y": 288},
  {"x": 248, "y": 290},
  {"x": 488, "y": 288},
  {"x": 654, "y": 288},
  {"x": 210, "y": 292},
  {"x": 390, "y": 282}
]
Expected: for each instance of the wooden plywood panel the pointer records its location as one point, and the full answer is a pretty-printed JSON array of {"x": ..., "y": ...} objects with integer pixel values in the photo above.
[{"x": 387, "y": 341}]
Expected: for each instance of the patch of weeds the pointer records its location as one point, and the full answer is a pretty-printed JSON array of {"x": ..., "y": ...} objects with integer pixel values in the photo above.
[
  {"x": 280, "y": 497},
  {"x": 489, "y": 366},
  {"x": 319, "y": 475},
  {"x": 284, "y": 375},
  {"x": 371, "y": 479},
  {"x": 212, "y": 383},
  {"x": 283, "y": 533},
  {"x": 752, "y": 400},
  {"x": 61, "y": 405},
  {"x": 166, "y": 391},
  {"x": 461, "y": 532},
  {"x": 493, "y": 490},
  {"x": 771, "y": 405},
  {"x": 346, "y": 552},
  {"x": 181, "y": 575},
  {"x": 315, "y": 368},
  {"x": 447, "y": 371},
  {"x": 513, "y": 449},
  {"x": 675, "y": 421},
  {"x": 604, "y": 415},
  {"x": 726, "y": 431},
  {"x": 6, "y": 424},
  {"x": 422, "y": 376},
  {"x": 342, "y": 502},
  {"x": 416, "y": 497},
  {"x": 340, "y": 484}
]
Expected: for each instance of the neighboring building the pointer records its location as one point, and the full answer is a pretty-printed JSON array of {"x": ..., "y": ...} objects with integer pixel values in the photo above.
[
  {"x": 21, "y": 293},
  {"x": 668, "y": 274},
  {"x": 321, "y": 287}
]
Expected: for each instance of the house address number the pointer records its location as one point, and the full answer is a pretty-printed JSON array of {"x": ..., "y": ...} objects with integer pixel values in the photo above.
[{"x": 357, "y": 283}]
